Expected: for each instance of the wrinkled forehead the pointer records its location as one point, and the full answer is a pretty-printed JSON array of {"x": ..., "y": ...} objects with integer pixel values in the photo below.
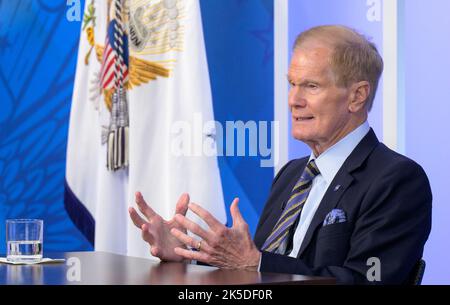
[
  {"x": 310, "y": 60},
  {"x": 314, "y": 46}
]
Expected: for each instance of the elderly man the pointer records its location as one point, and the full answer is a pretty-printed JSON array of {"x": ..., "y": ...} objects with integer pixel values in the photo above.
[{"x": 352, "y": 202}]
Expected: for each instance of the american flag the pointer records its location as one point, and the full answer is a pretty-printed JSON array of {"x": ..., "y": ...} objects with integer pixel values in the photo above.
[{"x": 114, "y": 73}]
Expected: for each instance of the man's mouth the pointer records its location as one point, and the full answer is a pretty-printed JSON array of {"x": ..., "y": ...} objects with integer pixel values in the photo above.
[{"x": 303, "y": 118}]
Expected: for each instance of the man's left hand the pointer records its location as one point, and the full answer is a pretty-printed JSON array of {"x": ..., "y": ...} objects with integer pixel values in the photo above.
[{"x": 229, "y": 248}]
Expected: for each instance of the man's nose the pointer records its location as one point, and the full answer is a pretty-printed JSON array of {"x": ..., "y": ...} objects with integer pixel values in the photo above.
[{"x": 296, "y": 97}]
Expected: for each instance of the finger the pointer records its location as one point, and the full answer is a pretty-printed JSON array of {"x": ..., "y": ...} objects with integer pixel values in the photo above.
[
  {"x": 182, "y": 204},
  {"x": 190, "y": 241},
  {"x": 193, "y": 227},
  {"x": 210, "y": 220},
  {"x": 144, "y": 207},
  {"x": 236, "y": 213},
  {"x": 154, "y": 251},
  {"x": 146, "y": 235},
  {"x": 192, "y": 255},
  {"x": 137, "y": 220}
]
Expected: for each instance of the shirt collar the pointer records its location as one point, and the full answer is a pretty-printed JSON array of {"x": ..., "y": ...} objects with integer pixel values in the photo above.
[{"x": 331, "y": 160}]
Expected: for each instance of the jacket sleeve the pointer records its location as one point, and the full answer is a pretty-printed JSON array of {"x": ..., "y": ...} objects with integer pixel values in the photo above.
[{"x": 393, "y": 225}]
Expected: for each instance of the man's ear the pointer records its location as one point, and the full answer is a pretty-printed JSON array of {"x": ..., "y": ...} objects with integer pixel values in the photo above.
[{"x": 359, "y": 97}]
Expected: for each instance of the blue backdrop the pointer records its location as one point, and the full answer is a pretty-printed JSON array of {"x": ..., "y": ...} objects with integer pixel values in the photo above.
[
  {"x": 427, "y": 110},
  {"x": 240, "y": 58},
  {"x": 38, "y": 49}
]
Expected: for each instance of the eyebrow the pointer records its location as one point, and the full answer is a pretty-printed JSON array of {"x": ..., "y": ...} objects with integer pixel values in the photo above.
[{"x": 303, "y": 81}]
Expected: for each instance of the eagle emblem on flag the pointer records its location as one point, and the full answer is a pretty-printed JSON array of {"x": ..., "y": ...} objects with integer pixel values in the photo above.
[{"x": 149, "y": 28}]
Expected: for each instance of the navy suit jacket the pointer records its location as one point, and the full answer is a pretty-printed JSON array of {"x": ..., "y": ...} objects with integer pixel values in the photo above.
[{"x": 387, "y": 200}]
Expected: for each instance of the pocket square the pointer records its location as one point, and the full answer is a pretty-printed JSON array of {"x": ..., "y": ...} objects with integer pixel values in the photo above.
[{"x": 335, "y": 216}]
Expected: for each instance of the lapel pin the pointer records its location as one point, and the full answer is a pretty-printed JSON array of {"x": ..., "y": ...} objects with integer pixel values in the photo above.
[{"x": 337, "y": 187}]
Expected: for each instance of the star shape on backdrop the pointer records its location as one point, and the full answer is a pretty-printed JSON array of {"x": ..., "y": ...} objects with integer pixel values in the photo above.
[
  {"x": 4, "y": 43},
  {"x": 263, "y": 36}
]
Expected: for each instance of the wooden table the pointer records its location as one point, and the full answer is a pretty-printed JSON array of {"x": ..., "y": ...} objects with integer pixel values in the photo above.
[{"x": 106, "y": 269}]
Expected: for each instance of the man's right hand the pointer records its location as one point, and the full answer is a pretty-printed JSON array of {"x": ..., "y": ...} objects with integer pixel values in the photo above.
[{"x": 156, "y": 231}]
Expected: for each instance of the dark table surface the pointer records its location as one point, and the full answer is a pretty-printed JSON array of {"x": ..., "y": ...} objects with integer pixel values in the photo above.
[{"x": 106, "y": 268}]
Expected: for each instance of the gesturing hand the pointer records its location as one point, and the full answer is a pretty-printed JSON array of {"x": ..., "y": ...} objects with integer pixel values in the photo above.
[
  {"x": 230, "y": 248},
  {"x": 156, "y": 231}
]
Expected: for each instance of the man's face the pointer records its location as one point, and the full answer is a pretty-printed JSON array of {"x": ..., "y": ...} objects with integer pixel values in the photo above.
[{"x": 320, "y": 115}]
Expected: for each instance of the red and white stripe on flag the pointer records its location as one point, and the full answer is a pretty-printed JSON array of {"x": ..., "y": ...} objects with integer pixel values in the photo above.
[{"x": 110, "y": 56}]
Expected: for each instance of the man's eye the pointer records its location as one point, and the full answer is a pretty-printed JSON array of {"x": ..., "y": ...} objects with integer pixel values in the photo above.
[{"x": 312, "y": 86}]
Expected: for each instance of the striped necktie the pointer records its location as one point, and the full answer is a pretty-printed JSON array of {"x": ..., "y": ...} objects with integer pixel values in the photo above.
[{"x": 278, "y": 239}]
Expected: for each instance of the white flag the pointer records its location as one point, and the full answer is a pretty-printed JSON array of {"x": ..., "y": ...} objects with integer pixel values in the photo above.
[{"x": 141, "y": 89}]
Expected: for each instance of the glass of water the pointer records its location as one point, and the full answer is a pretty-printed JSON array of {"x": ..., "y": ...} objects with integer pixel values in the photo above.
[{"x": 24, "y": 238}]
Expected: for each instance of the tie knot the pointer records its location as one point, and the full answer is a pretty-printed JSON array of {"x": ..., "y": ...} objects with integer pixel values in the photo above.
[{"x": 311, "y": 170}]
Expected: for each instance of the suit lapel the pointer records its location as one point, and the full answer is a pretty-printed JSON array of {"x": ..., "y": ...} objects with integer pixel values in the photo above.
[
  {"x": 329, "y": 201},
  {"x": 339, "y": 185},
  {"x": 278, "y": 208}
]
